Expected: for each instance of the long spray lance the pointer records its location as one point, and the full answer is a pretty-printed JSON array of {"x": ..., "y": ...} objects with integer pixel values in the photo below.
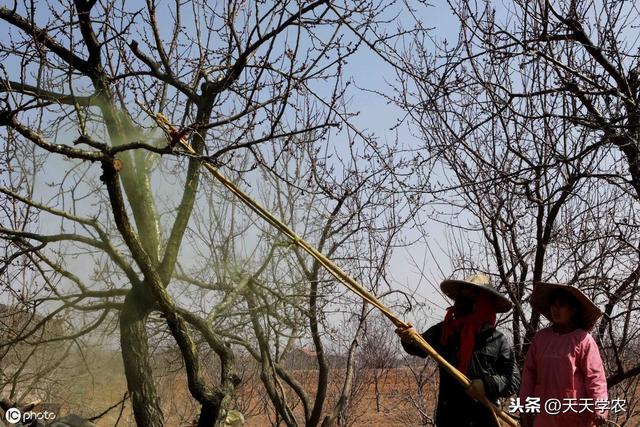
[{"x": 177, "y": 137}]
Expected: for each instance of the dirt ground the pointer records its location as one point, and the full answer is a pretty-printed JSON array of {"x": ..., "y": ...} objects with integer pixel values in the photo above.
[
  {"x": 393, "y": 388},
  {"x": 394, "y": 402}
]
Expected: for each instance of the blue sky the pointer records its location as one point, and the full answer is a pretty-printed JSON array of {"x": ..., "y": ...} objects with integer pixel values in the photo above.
[{"x": 417, "y": 268}]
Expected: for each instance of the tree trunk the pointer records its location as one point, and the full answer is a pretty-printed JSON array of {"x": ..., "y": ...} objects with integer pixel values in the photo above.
[
  {"x": 137, "y": 366},
  {"x": 208, "y": 415}
]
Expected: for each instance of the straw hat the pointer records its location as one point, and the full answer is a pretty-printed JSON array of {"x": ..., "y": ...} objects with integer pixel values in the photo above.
[
  {"x": 452, "y": 288},
  {"x": 540, "y": 301}
]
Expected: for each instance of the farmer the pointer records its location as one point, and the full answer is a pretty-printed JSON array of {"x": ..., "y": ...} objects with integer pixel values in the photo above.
[
  {"x": 468, "y": 339},
  {"x": 563, "y": 361}
]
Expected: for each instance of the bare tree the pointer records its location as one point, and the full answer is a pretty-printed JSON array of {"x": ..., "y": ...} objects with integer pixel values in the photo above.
[
  {"x": 80, "y": 80},
  {"x": 378, "y": 355},
  {"x": 291, "y": 301},
  {"x": 528, "y": 123},
  {"x": 422, "y": 397}
]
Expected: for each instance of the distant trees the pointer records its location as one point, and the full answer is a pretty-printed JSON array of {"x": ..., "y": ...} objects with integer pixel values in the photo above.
[{"x": 531, "y": 152}]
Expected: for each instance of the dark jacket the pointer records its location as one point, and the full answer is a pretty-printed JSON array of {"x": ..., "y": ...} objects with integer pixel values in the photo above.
[{"x": 492, "y": 361}]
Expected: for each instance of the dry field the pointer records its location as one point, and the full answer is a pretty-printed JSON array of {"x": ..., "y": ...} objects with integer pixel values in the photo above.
[
  {"x": 92, "y": 395},
  {"x": 397, "y": 402}
]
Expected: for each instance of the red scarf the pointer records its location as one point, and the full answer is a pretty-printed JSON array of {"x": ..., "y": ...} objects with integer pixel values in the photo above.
[{"x": 468, "y": 327}]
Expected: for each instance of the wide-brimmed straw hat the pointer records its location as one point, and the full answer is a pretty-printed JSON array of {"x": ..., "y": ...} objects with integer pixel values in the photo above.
[
  {"x": 482, "y": 282},
  {"x": 589, "y": 313}
]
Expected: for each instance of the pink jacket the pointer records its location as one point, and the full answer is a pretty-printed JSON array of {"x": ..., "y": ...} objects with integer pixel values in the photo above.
[{"x": 564, "y": 366}]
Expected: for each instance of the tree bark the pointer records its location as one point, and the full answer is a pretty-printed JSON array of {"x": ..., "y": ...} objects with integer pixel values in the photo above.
[{"x": 137, "y": 367}]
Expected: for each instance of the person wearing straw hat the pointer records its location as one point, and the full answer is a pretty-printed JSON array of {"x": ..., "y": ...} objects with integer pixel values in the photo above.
[
  {"x": 563, "y": 361},
  {"x": 468, "y": 339}
]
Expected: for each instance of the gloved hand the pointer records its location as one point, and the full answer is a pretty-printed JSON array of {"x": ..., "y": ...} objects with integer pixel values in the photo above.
[
  {"x": 476, "y": 389},
  {"x": 406, "y": 334}
]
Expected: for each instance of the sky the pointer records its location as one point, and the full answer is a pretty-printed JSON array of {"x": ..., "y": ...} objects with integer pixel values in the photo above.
[{"x": 418, "y": 268}]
